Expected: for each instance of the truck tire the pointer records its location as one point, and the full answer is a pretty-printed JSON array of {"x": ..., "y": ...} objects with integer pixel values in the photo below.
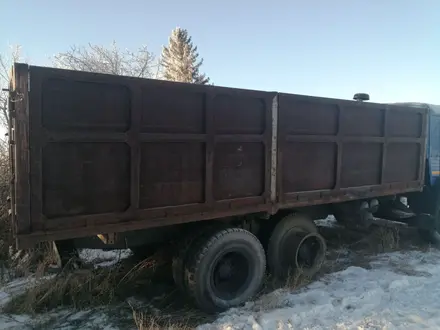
[
  {"x": 182, "y": 249},
  {"x": 225, "y": 269},
  {"x": 178, "y": 263},
  {"x": 295, "y": 246}
]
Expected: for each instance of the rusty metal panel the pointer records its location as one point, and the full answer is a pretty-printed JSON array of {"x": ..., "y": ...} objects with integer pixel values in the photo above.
[
  {"x": 101, "y": 153},
  {"x": 96, "y": 182},
  {"x": 403, "y": 162},
  {"x": 135, "y": 153},
  {"x": 361, "y": 164},
  {"x": 315, "y": 170},
  {"x": 172, "y": 173},
  {"x": 71, "y": 105},
  {"x": 332, "y": 150},
  {"x": 239, "y": 170}
]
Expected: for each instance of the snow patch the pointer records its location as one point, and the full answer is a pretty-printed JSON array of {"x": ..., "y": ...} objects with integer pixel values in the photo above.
[
  {"x": 19, "y": 286},
  {"x": 330, "y": 221},
  {"x": 102, "y": 258},
  {"x": 15, "y": 322},
  {"x": 400, "y": 292}
]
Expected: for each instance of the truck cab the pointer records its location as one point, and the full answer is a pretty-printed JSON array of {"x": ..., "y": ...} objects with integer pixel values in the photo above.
[
  {"x": 428, "y": 201},
  {"x": 433, "y": 141}
]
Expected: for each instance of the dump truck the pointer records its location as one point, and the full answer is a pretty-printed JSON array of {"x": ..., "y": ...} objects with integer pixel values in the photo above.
[{"x": 232, "y": 179}]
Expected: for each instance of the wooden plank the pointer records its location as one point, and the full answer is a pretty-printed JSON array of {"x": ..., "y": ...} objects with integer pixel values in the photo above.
[
  {"x": 26, "y": 241},
  {"x": 11, "y": 133},
  {"x": 274, "y": 150},
  {"x": 36, "y": 138},
  {"x": 209, "y": 149},
  {"x": 22, "y": 166},
  {"x": 134, "y": 143},
  {"x": 340, "y": 148},
  {"x": 269, "y": 103}
]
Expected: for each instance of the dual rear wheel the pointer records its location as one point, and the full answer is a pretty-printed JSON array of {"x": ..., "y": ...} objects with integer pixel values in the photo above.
[{"x": 223, "y": 267}]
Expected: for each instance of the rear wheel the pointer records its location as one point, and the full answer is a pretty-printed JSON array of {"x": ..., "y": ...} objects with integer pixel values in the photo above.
[
  {"x": 183, "y": 248},
  {"x": 295, "y": 247},
  {"x": 225, "y": 269}
]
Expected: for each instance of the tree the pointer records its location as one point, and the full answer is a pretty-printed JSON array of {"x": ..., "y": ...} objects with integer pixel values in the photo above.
[
  {"x": 6, "y": 62},
  {"x": 180, "y": 60},
  {"x": 111, "y": 60}
]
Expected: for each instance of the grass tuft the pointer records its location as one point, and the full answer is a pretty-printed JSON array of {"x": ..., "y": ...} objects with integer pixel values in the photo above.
[
  {"x": 80, "y": 289},
  {"x": 148, "y": 322}
]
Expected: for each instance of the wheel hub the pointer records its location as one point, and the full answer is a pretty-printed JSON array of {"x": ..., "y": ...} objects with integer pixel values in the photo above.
[
  {"x": 230, "y": 274},
  {"x": 225, "y": 270},
  {"x": 303, "y": 251},
  {"x": 306, "y": 254}
]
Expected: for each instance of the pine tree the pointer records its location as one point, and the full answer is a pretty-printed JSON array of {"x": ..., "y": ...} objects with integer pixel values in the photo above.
[{"x": 180, "y": 59}]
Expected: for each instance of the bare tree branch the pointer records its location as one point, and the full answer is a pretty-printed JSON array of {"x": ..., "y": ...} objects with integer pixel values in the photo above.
[
  {"x": 111, "y": 60},
  {"x": 6, "y": 62}
]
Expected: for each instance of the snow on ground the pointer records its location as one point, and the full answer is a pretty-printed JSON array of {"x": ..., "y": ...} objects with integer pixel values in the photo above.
[
  {"x": 102, "y": 258},
  {"x": 400, "y": 291},
  {"x": 330, "y": 221},
  {"x": 99, "y": 258},
  {"x": 63, "y": 319}
]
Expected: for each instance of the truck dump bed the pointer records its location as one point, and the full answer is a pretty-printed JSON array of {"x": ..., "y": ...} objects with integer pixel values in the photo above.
[{"x": 94, "y": 153}]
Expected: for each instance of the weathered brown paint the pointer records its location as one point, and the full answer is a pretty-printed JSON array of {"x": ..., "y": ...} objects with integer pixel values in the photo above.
[
  {"x": 21, "y": 155},
  {"x": 11, "y": 135},
  {"x": 150, "y": 153}
]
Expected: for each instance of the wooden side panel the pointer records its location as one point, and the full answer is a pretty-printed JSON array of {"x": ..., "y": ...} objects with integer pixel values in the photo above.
[
  {"x": 239, "y": 164},
  {"x": 118, "y": 151},
  {"x": 239, "y": 170},
  {"x": 85, "y": 178},
  {"x": 361, "y": 164},
  {"x": 309, "y": 166},
  {"x": 333, "y": 150},
  {"x": 98, "y": 153},
  {"x": 172, "y": 174}
]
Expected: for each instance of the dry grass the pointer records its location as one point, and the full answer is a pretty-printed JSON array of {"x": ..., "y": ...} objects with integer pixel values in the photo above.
[
  {"x": 80, "y": 289},
  {"x": 388, "y": 238},
  {"x": 5, "y": 223},
  {"x": 6, "y": 239},
  {"x": 381, "y": 239},
  {"x": 92, "y": 289},
  {"x": 378, "y": 239},
  {"x": 147, "y": 322},
  {"x": 297, "y": 280}
]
